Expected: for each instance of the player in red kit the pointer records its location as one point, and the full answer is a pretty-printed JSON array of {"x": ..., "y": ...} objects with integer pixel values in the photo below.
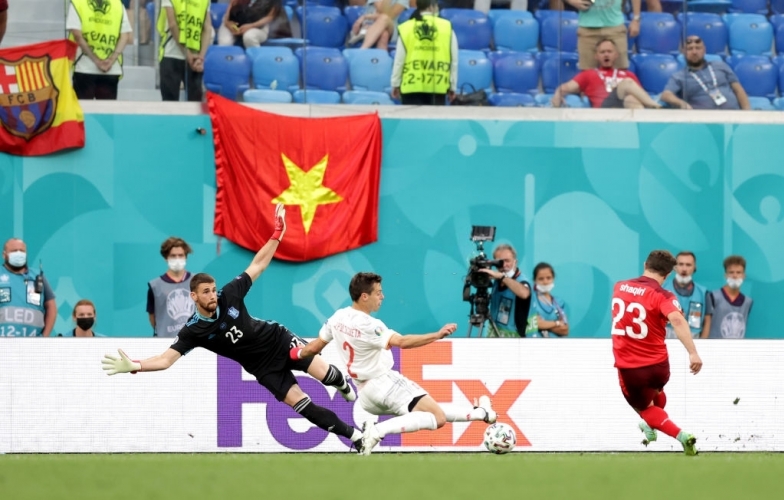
[{"x": 641, "y": 309}]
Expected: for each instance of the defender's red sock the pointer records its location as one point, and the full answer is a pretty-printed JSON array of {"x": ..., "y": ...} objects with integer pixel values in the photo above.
[
  {"x": 659, "y": 420},
  {"x": 660, "y": 400}
]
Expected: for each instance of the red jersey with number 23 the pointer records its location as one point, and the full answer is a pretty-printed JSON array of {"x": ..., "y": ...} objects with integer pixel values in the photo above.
[{"x": 640, "y": 308}]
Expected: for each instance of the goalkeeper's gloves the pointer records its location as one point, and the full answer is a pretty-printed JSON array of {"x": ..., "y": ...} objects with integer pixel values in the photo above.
[
  {"x": 296, "y": 353},
  {"x": 123, "y": 364},
  {"x": 280, "y": 222}
]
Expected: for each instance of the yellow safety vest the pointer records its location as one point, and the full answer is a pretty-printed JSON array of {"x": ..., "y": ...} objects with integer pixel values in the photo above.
[
  {"x": 428, "y": 62},
  {"x": 101, "y": 25},
  {"x": 190, "y": 19}
]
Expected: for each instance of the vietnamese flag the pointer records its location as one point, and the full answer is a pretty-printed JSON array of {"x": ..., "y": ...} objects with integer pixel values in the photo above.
[
  {"x": 39, "y": 111},
  {"x": 325, "y": 170}
]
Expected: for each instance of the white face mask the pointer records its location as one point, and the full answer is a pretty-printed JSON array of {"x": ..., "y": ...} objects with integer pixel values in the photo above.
[
  {"x": 176, "y": 265},
  {"x": 734, "y": 283},
  {"x": 682, "y": 280},
  {"x": 17, "y": 259},
  {"x": 545, "y": 288},
  {"x": 510, "y": 273}
]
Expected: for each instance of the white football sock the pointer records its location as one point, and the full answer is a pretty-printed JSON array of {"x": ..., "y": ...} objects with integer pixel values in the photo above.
[
  {"x": 410, "y": 422},
  {"x": 462, "y": 415}
]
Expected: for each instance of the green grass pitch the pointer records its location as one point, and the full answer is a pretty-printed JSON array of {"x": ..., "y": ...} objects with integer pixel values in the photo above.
[{"x": 411, "y": 476}]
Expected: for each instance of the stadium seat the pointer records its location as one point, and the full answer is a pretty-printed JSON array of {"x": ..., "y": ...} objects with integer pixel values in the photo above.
[
  {"x": 750, "y": 35},
  {"x": 761, "y": 104},
  {"x": 778, "y": 103},
  {"x": 516, "y": 72},
  {"x": 559, "y": 34},
  {"x": 757, "y": 75},
  {"x": 323, "y": 26},
  {"x": 776, "y": 20},
  {"x": 709, "y": 27},
  {"x": 712, "y": 6},
  {"x": 576, "y": 101},
  {"x": 217, "y": 11},
  {"x": 227, "y": 71},
  {"x": 322, "y": 68},
  {"x": 405, "y": 15},
  {"x": 517, "y": 30},
  {"x": 542, "y": 14},
  {"x": 780, "y": 40},
  {"x": 352, "y": 13},
  {"x": 474, "y": 69},
  {"x": 274, "y": 67},
  {"x": 557, "y": 68},
  {"x": 543, "y": 100},
  {"x": 496, "y": 14},
  {"x": 750, "y": 6},
  {"x": 654, "y": 70},
  {"x": 266, "y": 95},
  {"x": 316, "y": 97},
  {"x": 660, "y": 33},
  {"x": 730, "y": 18},
  {"x": 777, "y": 6},
  {"x": 472, "y": 28},
  {"x": 510, "y": 99},
  {"x": 369, "y": 69},
  {"x": 367, "y": 97}
]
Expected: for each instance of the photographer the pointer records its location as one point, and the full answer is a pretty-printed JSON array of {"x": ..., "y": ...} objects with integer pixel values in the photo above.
[{"x": 510, "y": 298}]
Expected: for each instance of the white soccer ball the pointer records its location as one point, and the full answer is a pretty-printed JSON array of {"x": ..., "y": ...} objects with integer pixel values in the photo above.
[{"x": 500, "y": 438}]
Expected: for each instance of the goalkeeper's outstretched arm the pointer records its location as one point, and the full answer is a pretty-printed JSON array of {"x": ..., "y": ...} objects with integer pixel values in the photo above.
[{"x": 124, "y": 364}]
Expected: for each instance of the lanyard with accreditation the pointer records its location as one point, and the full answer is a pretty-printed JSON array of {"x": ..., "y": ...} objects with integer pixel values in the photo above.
[
  {"x": 609, "y": 83},
  {"x": 715, "y": 93}
]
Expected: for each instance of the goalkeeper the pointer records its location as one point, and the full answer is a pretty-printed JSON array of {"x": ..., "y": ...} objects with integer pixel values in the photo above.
[{"x": 222, "y": 324}]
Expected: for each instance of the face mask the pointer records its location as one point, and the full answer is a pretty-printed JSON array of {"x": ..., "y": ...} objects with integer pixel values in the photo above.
[
  {"x": 85, "y": 323},
  {"x": 734, "y": 283},
  {"x": 17, "y": 259},
  {"x": 545, "y": 288},
  {"x": 176, "y": 265},
  {"x": 510, "y": 273},
  {"x": 682, "y": 280}
]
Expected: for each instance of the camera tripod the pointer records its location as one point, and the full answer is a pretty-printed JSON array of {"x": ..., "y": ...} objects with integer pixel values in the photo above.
[{"x": 480, "y": 314}]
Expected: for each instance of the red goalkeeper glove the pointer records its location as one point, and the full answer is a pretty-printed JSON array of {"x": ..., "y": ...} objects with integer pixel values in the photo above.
[
  {"x": 295, "y": 353},
  {"x": 280, "y": 222}
]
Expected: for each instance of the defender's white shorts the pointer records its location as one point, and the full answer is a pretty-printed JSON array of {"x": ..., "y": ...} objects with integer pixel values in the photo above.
[{"x": 388, "y": 394}]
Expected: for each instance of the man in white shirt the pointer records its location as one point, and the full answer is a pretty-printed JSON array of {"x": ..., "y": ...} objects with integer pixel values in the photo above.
[
  {"x": 364, "y": 346},
  {"x": 95, "y": 27}
]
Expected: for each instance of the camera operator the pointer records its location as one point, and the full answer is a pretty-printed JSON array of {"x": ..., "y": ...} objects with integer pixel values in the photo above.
[{"x": 510, "y": 298}]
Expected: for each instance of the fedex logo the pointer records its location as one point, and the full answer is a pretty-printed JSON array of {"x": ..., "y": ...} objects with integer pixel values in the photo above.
[{"x": 233, "y": 393}]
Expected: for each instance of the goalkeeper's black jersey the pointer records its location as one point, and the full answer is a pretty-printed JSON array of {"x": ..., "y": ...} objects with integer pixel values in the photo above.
[{"x": 232, "y": 332}]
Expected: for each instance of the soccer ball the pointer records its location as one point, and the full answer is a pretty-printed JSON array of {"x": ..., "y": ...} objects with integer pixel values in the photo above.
[{"x": 500, "y": 438}]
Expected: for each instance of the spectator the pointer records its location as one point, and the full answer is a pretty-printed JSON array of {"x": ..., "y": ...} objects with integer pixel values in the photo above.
[
  {"x": 143, "y": 26},
  {"x": 548, "y": 310},
  {"x": 169, "y": 303},
  {"x": 376, "y": 27},
  {"x": 604, "y": 20},
  {"x": 95, "y": 26},
  {"x": 3, "y": 18},
  {"x": 727, "y": 309},
  {"x": 186, "y": 33},
  {"x": 690, "y": 295},
  {"x": 84, "y": 317},
  {"x": 606, "y": 86},
  {"x": 254, "y": 22},
  {"x": 425, "y": 67},
  {"x": 27, "y": 305},
  {"x": 706, "y": 85},
  {"x": 510, "y": 297}
]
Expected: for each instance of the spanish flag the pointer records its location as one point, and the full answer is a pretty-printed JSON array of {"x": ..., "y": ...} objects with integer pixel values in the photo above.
[{"x": 39, "y": 111}]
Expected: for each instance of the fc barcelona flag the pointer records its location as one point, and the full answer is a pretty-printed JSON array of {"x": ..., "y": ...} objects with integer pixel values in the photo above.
[{"x": 39, "y": 111}]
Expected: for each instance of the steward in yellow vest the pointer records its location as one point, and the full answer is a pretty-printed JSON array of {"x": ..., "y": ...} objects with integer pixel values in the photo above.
[{"x": 186, "y": 33}]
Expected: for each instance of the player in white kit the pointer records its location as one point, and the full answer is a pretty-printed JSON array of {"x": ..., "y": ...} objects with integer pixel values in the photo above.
[{"x": 364, "y": 343}]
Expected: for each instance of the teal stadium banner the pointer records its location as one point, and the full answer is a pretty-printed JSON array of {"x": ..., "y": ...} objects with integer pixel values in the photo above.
[{"x": 590, "y": 198}]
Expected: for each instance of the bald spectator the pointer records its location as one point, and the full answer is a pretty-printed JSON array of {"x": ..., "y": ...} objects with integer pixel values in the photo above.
[{"x": 27, "y": 305}]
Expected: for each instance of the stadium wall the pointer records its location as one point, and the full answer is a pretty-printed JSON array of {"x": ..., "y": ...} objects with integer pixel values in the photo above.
[
  {"x": 589, "y": 191},
  {"x": 559, "y": 396}
]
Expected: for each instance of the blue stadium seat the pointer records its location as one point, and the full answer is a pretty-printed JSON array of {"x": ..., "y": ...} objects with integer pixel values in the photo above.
[
  {"x": 316, "y": 97},
  {"x": 750, "y": 35},
  {"x": 777, "y": 6},
  {"x": 472, "y": 28},
  {"x": 352, "y": 13},
  {"x": 369, "y": 69},
  {"x": 543, "y": 100},
  {"x": 227, "y": 71},
  {"x": 709, "y": 27},
  {"x": 761, "y": 104},
  {"x": 780, "y": 40},
  {"x": 517, "y": 30},
  {"x": 559, "y": 35},
  {"x": 367, "y": 97},
  {"x": 750, "y": 6},
  {"x": 405, "y": 15},
  {"x": 660, "y": 33},
  {"x": 758, "y": 75},
  {"x": 730, "y": 18},
  {"x": 778, "y": 103},
  {"x": 516, "y": 72},
  {"x": 511, "y": 100},
  {"x": 557, "y": 68},
  {"x": 713, "y": 6},
  {"x": 576, "y": 101},
  {"x": 496, "y": 14},
  {"x": 217, "y": 11},
  {"x": 323, "y": 26},
  {"x": 543, "y": 14},
  {"x": 274, "y": 66},
  {"x": 474, "y": 68},
  {"x": 776, "y": 20},
  {"x": 654, "y": 70},
  {"x": 266, "y": 95},
  {"x": 322, "y": 68}
]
